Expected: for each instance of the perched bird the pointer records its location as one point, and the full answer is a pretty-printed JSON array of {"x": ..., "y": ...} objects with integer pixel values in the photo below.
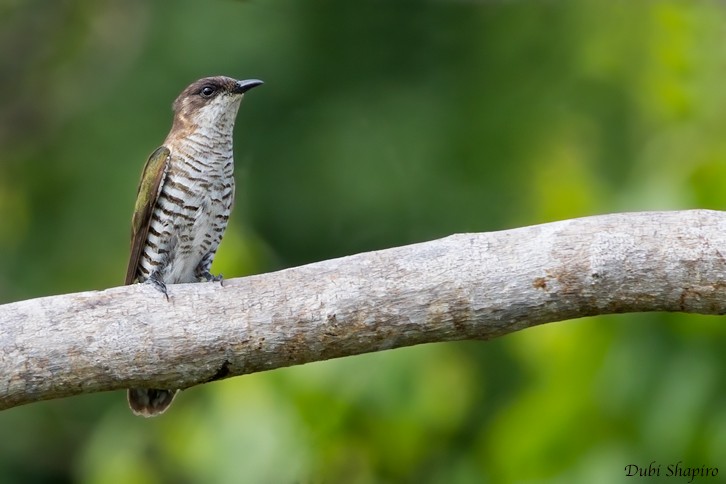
[{"x": 184, "y": 200}]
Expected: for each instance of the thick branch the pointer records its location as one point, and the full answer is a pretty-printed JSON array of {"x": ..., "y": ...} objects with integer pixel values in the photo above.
[{"x": 469, "y": 286}]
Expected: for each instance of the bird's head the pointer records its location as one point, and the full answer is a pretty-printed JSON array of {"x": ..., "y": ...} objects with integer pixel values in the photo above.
[{"x": 211, "y": 102}]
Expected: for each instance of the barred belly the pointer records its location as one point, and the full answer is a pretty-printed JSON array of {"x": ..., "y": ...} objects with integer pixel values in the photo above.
[{"x": 189, "y": 219}]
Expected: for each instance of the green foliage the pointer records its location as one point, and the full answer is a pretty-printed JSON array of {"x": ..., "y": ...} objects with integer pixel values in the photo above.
[{"x": 380, "y": 124}]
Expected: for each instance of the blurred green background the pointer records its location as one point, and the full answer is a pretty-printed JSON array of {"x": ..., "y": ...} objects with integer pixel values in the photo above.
[{"x": 381, "y": 123}]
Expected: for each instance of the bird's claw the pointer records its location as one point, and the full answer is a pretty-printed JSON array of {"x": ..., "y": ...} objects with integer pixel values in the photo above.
[
  {"x": 158, "y": 284},
  {"x": 209, "y": 277}
]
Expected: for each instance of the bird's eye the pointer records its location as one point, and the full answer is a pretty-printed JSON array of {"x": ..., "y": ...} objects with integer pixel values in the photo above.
[{"x": 207, "y": 91}]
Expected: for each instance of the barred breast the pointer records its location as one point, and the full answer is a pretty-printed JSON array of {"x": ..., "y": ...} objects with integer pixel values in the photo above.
[{"x": 192, "y": 211}]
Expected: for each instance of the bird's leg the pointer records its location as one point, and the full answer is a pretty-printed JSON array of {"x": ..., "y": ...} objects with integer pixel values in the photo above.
[
  {"x": 202, "y": 270},
  {"x": 157, "y": 284}
]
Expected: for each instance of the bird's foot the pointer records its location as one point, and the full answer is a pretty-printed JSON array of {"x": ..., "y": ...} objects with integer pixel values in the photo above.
[
  {"x": 209, "y": 277},
  {"x": 157, "y": 284}
]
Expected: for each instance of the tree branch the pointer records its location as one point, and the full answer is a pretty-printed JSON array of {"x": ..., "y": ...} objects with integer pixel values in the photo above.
[{"x": 468, "y": 286}]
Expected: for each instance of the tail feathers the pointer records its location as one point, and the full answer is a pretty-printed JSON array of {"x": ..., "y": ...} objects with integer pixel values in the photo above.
[{"x": 147, "y": 402}]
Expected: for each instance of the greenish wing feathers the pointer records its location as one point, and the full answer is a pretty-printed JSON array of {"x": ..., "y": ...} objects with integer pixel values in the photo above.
[{"x": 148, "y": 193}]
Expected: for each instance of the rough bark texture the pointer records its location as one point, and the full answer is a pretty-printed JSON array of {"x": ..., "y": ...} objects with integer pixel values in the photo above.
[{"x": 468, "y": 286}]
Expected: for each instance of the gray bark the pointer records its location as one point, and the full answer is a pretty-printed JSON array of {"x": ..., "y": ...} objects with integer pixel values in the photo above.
[{"x": 467, "y": 286}]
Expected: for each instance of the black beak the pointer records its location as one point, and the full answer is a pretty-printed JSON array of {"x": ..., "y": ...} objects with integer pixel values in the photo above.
[{"x": 244, "y": 86}]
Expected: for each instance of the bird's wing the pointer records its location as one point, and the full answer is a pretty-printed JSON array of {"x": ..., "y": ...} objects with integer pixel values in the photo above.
[{"x": 150, "y": 186}]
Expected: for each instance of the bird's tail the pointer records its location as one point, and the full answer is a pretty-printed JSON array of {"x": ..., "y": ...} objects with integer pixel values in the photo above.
[{"x": 147, "y": 402}]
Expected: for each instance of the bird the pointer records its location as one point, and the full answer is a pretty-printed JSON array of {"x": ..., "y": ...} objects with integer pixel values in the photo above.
[{"x": 184, "y": 200}]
